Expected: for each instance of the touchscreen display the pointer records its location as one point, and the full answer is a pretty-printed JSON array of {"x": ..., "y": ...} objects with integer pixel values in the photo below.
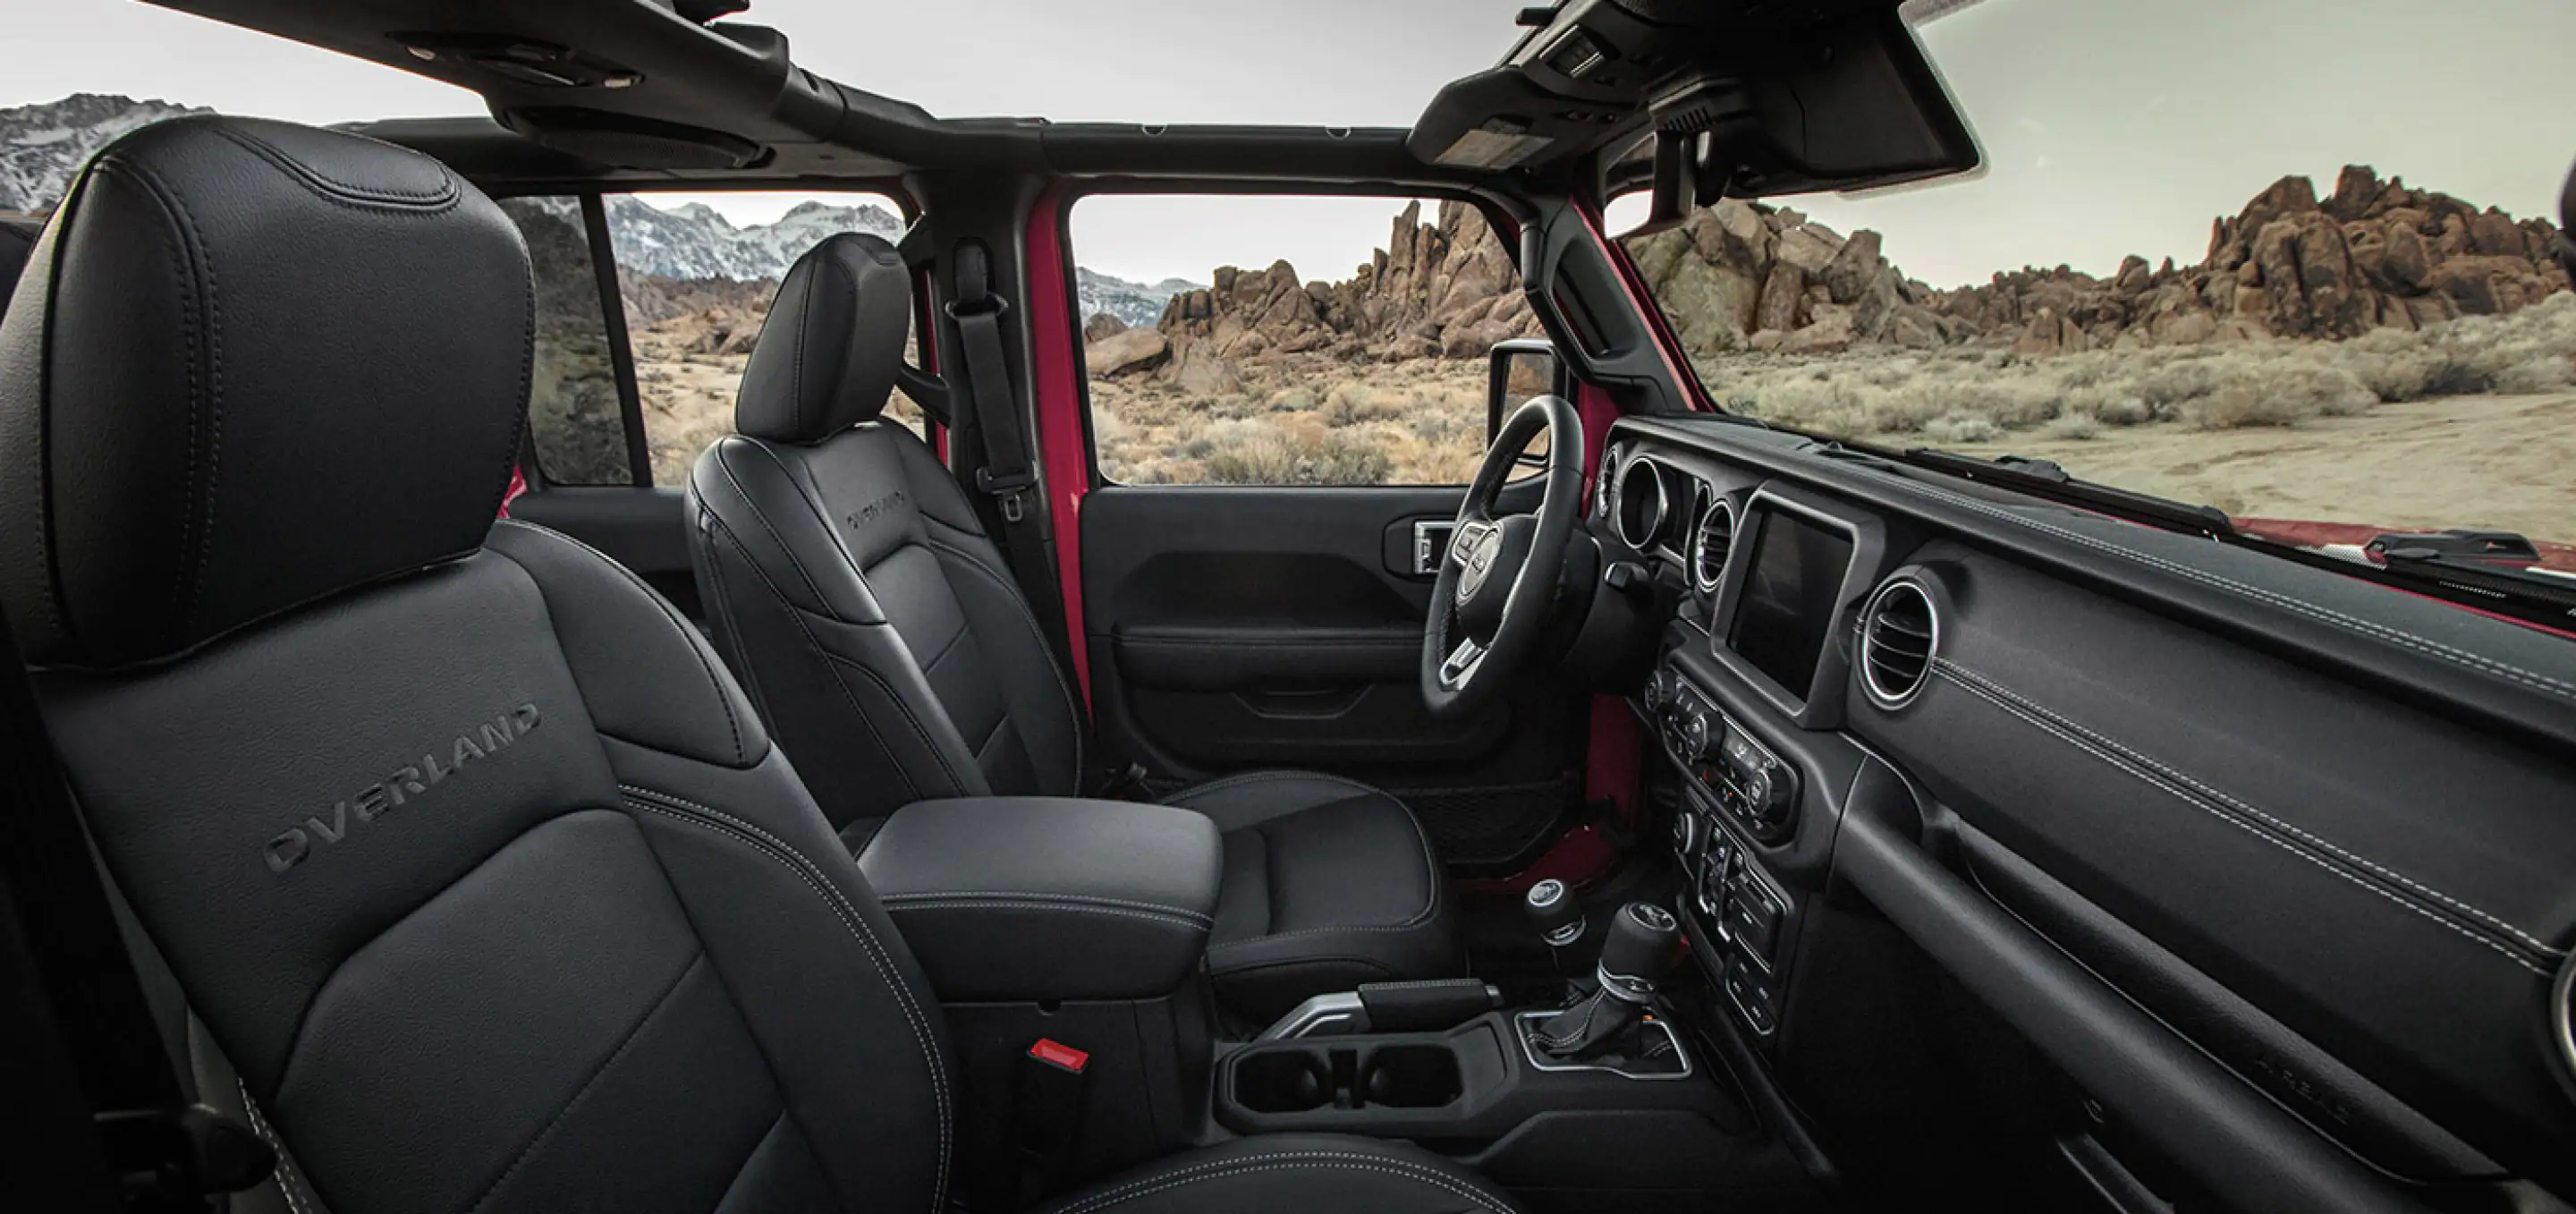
[{"x": 1788, "y": 602}]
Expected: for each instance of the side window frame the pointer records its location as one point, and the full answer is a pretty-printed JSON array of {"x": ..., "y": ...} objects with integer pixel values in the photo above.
[
  {"x": 1505, "y": 227},
  {"x": 593, "y": 205},
  {"x": 621, "y": 348}
]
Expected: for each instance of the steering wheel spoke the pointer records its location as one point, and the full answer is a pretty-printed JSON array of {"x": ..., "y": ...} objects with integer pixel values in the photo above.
[
  {"x": 1491, "y": 598},
  {"x": 1461, "y": 663}
]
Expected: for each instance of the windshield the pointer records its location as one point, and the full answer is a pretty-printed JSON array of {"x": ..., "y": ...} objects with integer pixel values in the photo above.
[{"x": 2273, "y": 258}]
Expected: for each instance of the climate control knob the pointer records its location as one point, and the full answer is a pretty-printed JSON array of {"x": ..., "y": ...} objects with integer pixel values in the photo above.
[
  {"x": 1696, "y": 735},
  {"x": 1660, "y": 691}
]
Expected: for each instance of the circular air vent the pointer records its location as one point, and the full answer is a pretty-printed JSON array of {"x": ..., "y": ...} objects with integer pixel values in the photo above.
[
  {"x": 1638, "y": 503},
  {"x": 1899, "y": 631},
  {"x": 1710, "y": 544},
  {"x": 1602, "y": 480}
]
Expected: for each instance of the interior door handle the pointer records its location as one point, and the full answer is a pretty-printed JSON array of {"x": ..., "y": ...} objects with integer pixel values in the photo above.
[{"x": 1431, "y": 544}]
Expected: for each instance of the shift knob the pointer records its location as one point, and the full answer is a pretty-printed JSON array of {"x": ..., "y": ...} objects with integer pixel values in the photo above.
[
  {"x": 1644, "y": 942},
  {"x": 1554, "y": 912}
]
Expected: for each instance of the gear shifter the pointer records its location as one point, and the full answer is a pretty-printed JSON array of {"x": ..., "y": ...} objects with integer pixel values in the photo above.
[
  {"x": 1643, "y": 943},
  {"x": 1558, "y": 919}
]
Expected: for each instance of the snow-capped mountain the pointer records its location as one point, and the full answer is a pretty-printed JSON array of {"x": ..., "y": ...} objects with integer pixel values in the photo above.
[
  {"x": 696, "y": 241},
  {"x": 41, "y": 146},
  {"x": 1132, "y": 302}
]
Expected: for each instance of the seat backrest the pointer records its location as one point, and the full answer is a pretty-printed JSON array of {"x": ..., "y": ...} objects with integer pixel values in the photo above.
[
  {"x": 848, "y": 580},
  {"x": 478, "y": 875}
]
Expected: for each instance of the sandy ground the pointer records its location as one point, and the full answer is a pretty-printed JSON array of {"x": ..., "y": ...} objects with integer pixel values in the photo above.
[{"x": 2464, "y": 461}]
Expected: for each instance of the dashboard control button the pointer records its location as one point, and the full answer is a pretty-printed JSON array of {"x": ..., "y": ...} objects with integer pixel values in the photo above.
[
  {"x": 1754, "y": 920},
  {"x": 1750, "y": 992}
]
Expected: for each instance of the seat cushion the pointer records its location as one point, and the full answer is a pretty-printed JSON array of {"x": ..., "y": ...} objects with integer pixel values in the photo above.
[
  {"x": 1329, "y": 883},
  {"x": 1295, "y": 1174}
]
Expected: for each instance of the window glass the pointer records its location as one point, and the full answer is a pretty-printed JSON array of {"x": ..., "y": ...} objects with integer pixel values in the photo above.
[
  {"x": 574, "y": 417},
  {"x": 1234, "y": 367},
  {"x": 2154, "y": 292},
  {"x": 698, "y": 273}
]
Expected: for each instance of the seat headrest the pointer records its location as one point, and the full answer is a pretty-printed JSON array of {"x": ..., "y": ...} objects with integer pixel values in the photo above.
[
  {"x": 250, "y": 365},
  {"x": 827, "y": 355}
]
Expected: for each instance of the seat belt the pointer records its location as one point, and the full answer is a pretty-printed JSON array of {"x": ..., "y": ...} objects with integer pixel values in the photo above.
[
  {"x": 158, "y": 1152},
  {"x": 1007, "y": 476}
]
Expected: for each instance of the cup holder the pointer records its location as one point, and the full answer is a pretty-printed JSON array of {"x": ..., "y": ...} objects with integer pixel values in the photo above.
[
  {"x": 1411, "y": 1077},
  {"x": 1313, "y": 1078},
  {"x": 1283, "y": 1081}
]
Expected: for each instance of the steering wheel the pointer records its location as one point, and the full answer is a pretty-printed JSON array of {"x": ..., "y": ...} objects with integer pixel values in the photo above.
[{"x": 1495, "y": 587}]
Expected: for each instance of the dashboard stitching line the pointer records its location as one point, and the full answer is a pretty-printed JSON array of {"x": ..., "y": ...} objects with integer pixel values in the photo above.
[
  {"x": 2234, "y": 802},
  {"x": 2189, "y": 798},
  {"x": 2556, "y": 687}
]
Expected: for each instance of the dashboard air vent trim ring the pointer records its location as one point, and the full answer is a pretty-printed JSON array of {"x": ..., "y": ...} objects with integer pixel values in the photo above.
[
  {"x": 1891, "y": 626},
  {"x": 2562, "y": 1019},
  {"x": 1704, "y": 579},
  {"x": 1621, "y": 499}
]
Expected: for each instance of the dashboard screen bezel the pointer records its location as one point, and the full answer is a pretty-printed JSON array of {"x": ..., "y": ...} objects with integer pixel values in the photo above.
[{"x": 1819, "y": 704}]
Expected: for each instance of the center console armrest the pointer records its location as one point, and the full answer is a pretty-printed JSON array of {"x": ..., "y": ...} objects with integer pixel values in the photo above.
[{"x": 1035, "y": 898}]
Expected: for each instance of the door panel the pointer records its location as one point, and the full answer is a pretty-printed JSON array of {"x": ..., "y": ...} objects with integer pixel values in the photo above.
[{"x": 1233, "y": 628}]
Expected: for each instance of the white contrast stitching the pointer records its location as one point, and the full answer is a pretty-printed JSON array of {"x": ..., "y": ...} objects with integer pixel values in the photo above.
[
  {"x": 287, "y": 1180},
  {"x": 1272, "y": 1163},
  {"x": 1022, "y": 896},
  {"x": 2188, "y": 798},
  {"x": 2478, "y": 662},
  {"x": 851, "y": 920},
  {"x": 2226, "y": 799},
  {"x": 1052, "y": 908}
]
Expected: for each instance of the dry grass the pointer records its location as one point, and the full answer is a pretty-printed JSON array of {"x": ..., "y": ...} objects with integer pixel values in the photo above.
[
  {"x": 1314, "y": 421},
  {"x": 1980, "y": 395},
  {"x": 688, "y": 401}
]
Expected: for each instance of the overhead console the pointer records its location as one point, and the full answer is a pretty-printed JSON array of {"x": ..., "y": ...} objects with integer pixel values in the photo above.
[{"x": 1750, "y": 98}]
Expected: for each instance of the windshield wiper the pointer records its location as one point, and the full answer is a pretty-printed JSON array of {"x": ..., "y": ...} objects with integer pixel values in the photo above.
[
  {"x": 2489, "y": 569},
  {"x": 2042, "y": 478}
]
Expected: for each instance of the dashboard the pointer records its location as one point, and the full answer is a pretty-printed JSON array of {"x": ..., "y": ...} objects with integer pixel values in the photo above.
[{"x": 2008, "y": 827}]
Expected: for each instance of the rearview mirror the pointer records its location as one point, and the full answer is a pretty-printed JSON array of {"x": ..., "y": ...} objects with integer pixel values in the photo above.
[{"x": 1523, "y": 368}]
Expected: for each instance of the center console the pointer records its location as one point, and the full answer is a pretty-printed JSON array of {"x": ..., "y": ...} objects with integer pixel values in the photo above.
[{"x": 1064, "y": 938}]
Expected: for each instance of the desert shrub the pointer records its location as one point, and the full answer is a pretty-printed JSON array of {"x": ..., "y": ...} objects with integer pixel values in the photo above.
[
  {"x": 1352, "y": 403},
  {"x": 1294, "y": 400},
  {"x": 1953, "y": 428},
  {"x": 2399, "y": 375},
  {"x": 2078, "y": 427},
  {"x": 1285, "y": 457},
  {"x": 2112, "y": 405},
  {"x": 2283, "y": 393},
  {"x": 2545, "y": 373}
]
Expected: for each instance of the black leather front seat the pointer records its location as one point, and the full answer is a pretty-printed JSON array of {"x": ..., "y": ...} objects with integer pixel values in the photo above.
[
  {"x": 485, "y": 889},
  {"x": 882, "y": 636}
]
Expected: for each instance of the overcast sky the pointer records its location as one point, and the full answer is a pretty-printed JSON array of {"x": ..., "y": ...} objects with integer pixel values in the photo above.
[{"x": 2110, "y": 126}]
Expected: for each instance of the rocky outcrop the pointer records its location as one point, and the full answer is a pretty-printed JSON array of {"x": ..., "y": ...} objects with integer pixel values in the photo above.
[
  {"x": 1745, "y": 276},
  {"x": 1444, "y": 289},
  {"x": 2373, "y": 254},
  {"x": 1739, "y": 275}
]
